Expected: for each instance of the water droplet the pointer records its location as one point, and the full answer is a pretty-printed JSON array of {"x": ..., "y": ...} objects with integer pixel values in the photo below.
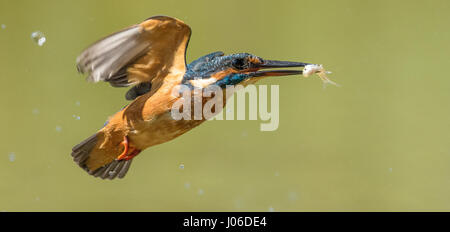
[
  {"x": 293, "y": 196},
  {"x": 390, "y": 169},
  {"x": 3, "y": 26},
  {"x": 58, "y": 129},
  {"x": 76, "y": 117},
  {"x": 271, "y": 209},
  {"x": 201, "y": 192},
  {"x": 35, "y": 111},
  {"x": 111, "y": 173},
  {"x": 277, "y": 174},
  {"x": 238, "y": 203},
  {"x": 77, "y": 103},
  {"x": 244, "y": 134},
  {"x": 37, "y": 198},
  {"x": 38, "y": 37},
  {"x": 187, "y": 185},
  {"x": 12, "y": 157},
  {"x": 181, "y": 166}
]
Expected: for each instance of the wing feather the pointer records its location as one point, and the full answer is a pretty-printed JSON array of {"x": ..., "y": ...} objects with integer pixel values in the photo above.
[
  {"x": 141, "y": 53},
  {"x": 105, "y": 58}
]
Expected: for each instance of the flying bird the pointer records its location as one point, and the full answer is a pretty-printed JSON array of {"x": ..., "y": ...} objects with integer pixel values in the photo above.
[{"x": 150, "y": 58}]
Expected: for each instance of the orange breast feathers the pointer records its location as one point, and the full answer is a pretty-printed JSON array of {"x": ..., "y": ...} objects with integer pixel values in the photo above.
[{"x": 138, "y": 116}]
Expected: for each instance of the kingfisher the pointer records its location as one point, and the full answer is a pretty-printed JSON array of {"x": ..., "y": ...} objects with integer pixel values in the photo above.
[{"x": 150, "y": 58}]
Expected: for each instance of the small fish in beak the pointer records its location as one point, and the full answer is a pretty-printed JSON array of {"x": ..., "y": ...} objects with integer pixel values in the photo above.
[{"x": 318, "y": 69}]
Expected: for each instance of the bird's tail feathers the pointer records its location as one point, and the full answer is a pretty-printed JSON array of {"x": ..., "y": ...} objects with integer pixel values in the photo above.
[{"x": 82, "y": 152}]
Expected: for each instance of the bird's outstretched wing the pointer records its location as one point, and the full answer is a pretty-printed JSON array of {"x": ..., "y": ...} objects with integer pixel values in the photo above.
[{"x": 142, "y": 53}]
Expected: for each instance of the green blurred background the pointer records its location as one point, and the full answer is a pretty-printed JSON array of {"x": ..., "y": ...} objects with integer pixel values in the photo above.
[{"x": 381, "y": 142}]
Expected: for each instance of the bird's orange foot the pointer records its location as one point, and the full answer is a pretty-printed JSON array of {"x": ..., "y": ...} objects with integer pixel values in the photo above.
[{"x": 129, "y": 152}]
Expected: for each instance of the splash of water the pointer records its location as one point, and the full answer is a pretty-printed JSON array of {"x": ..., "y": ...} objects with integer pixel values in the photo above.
[
  {"x": 39, "y": 38},
  {"x": 12, "y": 157}
]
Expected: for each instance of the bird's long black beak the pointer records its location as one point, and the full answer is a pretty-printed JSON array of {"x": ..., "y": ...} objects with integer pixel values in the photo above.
[
  {"x": 265, "y": 64},
  {"x": 281, "y": 64}
]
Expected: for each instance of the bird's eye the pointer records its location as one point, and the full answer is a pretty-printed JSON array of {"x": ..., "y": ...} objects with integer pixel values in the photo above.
[{"x": 239, "y": 64}]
